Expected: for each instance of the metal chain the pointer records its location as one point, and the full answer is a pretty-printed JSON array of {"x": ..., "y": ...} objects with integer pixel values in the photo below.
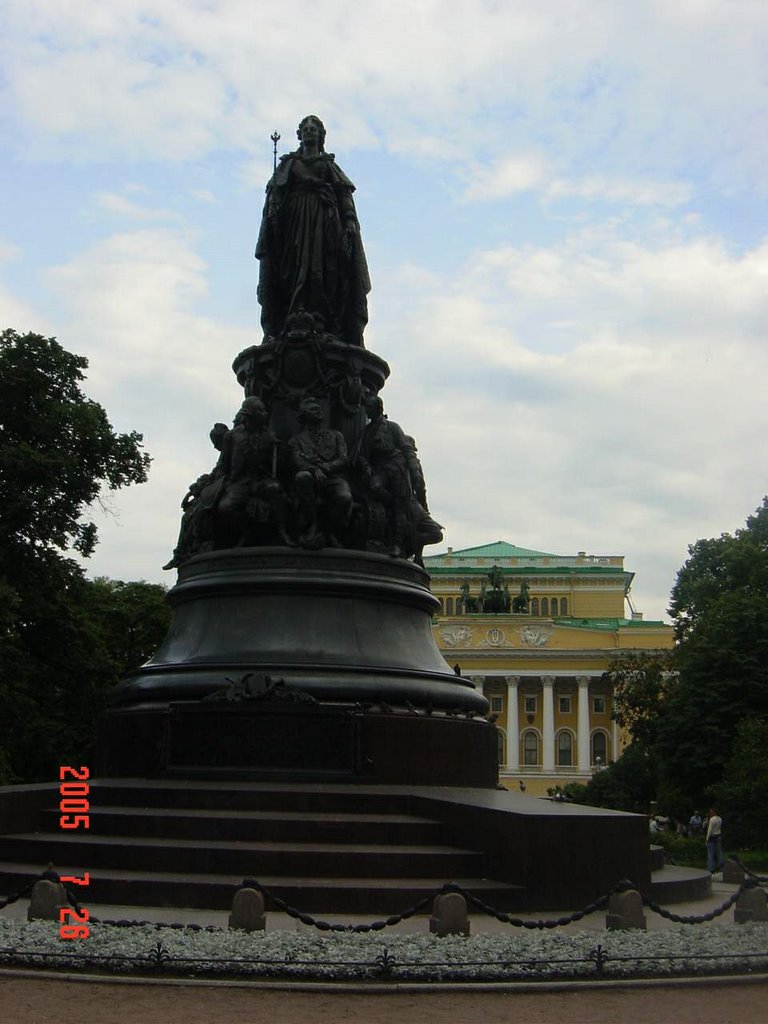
[{"x": 623, "y": 885}]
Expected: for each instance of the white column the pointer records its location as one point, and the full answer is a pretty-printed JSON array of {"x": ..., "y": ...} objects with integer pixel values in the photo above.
[
  {"x": 582, "y": 724},
  {"x": 513, "y": 725},
  {"x": 548, "y": 723}
]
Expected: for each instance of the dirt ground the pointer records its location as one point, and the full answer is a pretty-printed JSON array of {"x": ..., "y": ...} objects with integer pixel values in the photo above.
[{"x": 36, "y": 1000}]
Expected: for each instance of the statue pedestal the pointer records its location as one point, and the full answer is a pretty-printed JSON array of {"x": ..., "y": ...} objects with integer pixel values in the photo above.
[{"x": 293, "y": 664}]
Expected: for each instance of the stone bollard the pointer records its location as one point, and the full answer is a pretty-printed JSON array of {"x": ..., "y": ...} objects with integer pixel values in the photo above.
[
  {"x": 248, "y": 911},
  {"x": 625, "y": 910},
  {"x": 47, "y": 900},
  {"x": 733, "y": 873},
  {"x": 752, "y": 905},
  {"x": 449, "y": 915}
]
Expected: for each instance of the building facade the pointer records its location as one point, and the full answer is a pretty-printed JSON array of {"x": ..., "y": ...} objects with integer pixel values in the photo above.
[{"x": 541, "y": 666}]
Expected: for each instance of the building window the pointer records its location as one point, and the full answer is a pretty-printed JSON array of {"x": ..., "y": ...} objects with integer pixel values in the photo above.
[
  {"x": 565, "y": 705},
  {"x": 497, "y": 705},
  {"x": 554, "y": 606},
  {"x": 598, "y": 705},
  {"x": 545, "y": 606},
  {"x": 529, "y": 705},
  {"x": 449, "y": 606},
  {"x": 564, "y": 749},
  {"x": 530, "y": 748},
  {"x": 534, "y": 606},
  {"x": 563, "y": 605},
  {"x": 599, "y": 748},
  {"x": 501, "y": 741}
]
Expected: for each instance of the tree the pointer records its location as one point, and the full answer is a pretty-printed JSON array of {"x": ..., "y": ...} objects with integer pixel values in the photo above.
[
  {"x": 641, "y": 683},
  {"x": 629, "y": 784},
  {"x": 683, "y": 708},
  {"x": 57, "y": 447},
  {"x": 131, "y": 619},
  {"x": 57, "y": 450},
  {"x": 720, "y": 609},
  {"x": 742, "y": 794}
]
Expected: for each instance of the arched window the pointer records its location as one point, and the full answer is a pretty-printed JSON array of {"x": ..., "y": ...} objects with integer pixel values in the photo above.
[
  {"x": 563, "y": 605},
  {"x": 554, "y": 606},
  {"x": 530, "y": 748},
  {"x": 545, "y": 606},
  {"x": 564, "y": 749},
  {"x": 449, "y": 606},
  {"x": 534, "y": 606},
  {"x": 501, "y": 740},
  {"x": 599, "y": 747}
]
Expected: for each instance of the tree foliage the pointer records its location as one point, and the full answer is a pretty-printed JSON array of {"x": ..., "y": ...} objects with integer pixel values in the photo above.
[
  {"x": 685, "y": 708},
  {"x": 742, "y": 793},
  {"x": 57, "y": 447},
  {"x": 58, "y": 650},
  {"x": 629, "y": 784},
  {"x": 641, "y": 683},
  {"x": 720, "y": 610}
]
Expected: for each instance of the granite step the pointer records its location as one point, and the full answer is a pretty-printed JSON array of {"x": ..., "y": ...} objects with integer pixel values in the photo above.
[
  {"x": 265, "y": 825},
  {"x": 239, "y": 857},
  {"x": 246, "y": 796},
  {"x": 674, "y": 884},
  {"x": 375, "y": 896}
]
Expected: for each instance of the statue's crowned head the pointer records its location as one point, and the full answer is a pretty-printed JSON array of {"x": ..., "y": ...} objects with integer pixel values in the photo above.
[{"x": 314, "y": 121}]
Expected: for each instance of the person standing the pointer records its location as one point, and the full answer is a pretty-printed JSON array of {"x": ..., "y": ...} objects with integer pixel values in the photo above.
[{"x": 714, "y": 841}]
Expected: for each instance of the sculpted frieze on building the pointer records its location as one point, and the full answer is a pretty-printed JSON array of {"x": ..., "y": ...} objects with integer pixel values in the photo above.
[
  {"x": 495, "y": 637},
  {"x": 535, "y": 636},
  {"x": 457, "y": 636}
]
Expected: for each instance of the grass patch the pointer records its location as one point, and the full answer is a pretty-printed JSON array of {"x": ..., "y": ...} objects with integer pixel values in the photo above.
[{"x": 692, "y": 852}]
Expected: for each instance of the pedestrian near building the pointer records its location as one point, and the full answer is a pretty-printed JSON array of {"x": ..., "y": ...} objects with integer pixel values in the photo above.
[{"x": 714, "y": 841}]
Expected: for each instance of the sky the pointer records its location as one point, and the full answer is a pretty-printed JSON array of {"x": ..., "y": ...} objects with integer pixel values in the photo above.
[{"x": 564, "y": 208}]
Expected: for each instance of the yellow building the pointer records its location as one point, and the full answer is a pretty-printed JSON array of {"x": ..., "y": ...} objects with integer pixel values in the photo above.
[{"x": 541, "y": 669}]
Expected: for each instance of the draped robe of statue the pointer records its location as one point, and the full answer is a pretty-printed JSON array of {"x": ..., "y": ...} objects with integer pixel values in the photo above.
[{"x": 308, "y": 260}]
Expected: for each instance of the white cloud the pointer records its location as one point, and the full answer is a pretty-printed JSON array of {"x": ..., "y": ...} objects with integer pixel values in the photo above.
[
  {"x": 113, "y": 202},
  {"x": 505, "y": 177},
  {"x": 633, "y": 433},
  {"x": 642, "y": 89},
  {"x": 642, "y": 193}
]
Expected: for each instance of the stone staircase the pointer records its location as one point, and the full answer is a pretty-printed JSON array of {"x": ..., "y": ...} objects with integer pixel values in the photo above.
[{"x": 323, "y": 849}]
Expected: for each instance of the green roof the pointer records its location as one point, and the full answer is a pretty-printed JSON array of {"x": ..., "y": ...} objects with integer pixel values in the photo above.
[{"x": 499, "y": 549}]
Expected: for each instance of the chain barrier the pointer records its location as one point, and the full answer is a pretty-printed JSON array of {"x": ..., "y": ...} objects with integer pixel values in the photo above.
[
  {"x": 761, "y": 879},
  {"x": 50, "y": 875},
  {"x": 325, "y": 926},
  {"x": 282, "y": 905}
]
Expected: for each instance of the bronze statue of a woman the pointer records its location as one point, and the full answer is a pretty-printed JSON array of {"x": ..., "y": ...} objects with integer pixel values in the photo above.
[{"x": 309, "y": 248}]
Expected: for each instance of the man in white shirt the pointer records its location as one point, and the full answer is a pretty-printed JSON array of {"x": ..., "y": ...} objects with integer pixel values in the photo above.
[{"x": 714, "y": 841}]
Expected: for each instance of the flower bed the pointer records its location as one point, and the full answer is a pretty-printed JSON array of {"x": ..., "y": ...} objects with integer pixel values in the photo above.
[{"x": 677, "y": 950}]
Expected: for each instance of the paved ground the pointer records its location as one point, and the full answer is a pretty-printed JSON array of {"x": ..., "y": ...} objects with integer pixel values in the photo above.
[{"x": 36, "y": 1001}]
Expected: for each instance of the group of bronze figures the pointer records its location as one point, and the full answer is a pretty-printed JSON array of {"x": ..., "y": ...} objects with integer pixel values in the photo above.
[
  {"x": 311, "y": 459},
  {"x": 309, "y": 490}
]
